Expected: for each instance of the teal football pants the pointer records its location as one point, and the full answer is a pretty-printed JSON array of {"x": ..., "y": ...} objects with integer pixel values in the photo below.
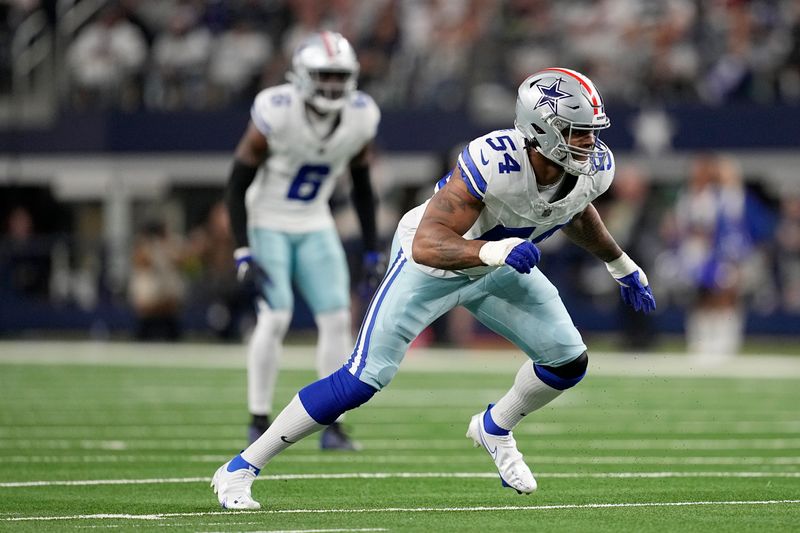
[
  {"x": 314, "y": 261},
  {"x": 524, "y": 308}
]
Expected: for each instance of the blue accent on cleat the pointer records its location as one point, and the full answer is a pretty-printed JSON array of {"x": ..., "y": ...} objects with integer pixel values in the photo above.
[
  {"x": 237, "y": 463},
  {"x": 503, "y": 482},
  {"x": 489, "y": 424}
]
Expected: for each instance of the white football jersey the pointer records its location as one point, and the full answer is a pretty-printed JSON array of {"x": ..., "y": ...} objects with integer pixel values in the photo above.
[
  {"x": 496, "y": 169},
  {"x": 292, "y": 189}
]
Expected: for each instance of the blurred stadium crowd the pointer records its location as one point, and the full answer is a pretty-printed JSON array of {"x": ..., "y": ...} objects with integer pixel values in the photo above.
[
  {"x": 203, "y": 54},
  {"x": 719, "y": 247}
]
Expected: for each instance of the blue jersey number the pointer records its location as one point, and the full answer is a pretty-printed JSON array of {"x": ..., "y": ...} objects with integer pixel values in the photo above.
[
  {"x": 601, "y": 162},
  {"x": 281, "y": 99},
  {"x": 502, "y": 144},
  {"x": 307, "y": 182}
]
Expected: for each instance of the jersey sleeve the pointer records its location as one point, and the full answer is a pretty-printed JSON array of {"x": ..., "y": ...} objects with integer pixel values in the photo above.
[
  {"x": 474, "y": 164},
  {"x": 269, "y": 108},
  {"x": 370, "y": 114}
]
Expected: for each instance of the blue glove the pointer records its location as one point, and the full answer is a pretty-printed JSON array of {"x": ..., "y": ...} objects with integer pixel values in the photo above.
[
  {"x": 519, "y": 254},
  {"x": 523, "y": 257},
  {"x": 373, "y": 269},
  {"x": 249, "y": 272},
  {"x": 634, "y": 287}
]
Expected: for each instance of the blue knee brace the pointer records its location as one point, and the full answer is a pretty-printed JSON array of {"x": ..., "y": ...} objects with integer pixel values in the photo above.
[
  {"x": 326, "y": 399},
  {"x": 565, "y": 376}
]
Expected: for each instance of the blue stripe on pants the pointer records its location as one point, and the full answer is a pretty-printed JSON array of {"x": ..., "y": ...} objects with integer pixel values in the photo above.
[{"x": 358, "y": 358}]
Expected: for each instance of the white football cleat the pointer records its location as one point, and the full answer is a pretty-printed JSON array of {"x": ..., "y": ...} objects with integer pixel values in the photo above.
[
  {"x": 232, "y": 482},
  {"x": 513, "y": 471}
]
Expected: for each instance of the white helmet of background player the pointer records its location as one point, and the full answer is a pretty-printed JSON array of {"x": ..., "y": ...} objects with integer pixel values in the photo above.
[
  {"x": 325, "y": 70},
  {"x": 554, "y": 104}
]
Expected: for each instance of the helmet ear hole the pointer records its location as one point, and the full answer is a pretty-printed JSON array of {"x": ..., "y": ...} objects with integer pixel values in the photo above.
[{"x": 537, "y": 129}]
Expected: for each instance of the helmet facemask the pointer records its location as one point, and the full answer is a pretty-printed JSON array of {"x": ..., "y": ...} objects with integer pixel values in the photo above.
[
  {"x": 330, "y": 88},
  {"x": 573, "y": 152}
]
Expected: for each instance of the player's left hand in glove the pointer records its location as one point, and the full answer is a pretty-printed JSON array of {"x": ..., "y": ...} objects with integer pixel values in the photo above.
[
  {"x": 249, "y": 272},
  {"x": 634, "y": 287},
  {"x": 373, "y": 269}
]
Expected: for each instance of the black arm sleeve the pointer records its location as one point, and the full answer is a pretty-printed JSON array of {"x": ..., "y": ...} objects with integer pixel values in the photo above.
[
  {"x": 364, "y": 202},
  {"x": 241, "y": 176}
]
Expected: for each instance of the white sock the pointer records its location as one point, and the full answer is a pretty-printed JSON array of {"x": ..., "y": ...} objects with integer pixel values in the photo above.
[
  {"x": 729, "y": 328},
  {"x": 334, "y": 344},
  {"x": 527, "y": 394},
  {"x": 714, "y": 333},
  {"x": 695, "y": 328},
  {"x": 263, "y": 353},
  {"x": 291, "y": 425}
]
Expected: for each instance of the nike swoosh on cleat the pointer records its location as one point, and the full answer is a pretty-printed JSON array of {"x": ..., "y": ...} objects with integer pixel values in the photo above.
[
  {"x": 493, "y": 453},
  {"x": 483, "y": 159},
  {"x": 287, "y": 441}
]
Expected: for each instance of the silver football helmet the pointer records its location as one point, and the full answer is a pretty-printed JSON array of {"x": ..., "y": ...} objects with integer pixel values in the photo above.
[
  {"x": 325, "y": 70},
  {"x": 556, "y": 105}
]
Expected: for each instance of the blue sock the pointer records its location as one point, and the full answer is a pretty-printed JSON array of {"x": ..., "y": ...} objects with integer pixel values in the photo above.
[
  {"x": 237, "y": 463},
  {"x": 489, "y": 424}
]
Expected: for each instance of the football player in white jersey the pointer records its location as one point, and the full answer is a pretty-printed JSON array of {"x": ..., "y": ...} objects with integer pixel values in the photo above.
[
  {"x": 473, "y": 244},
  {"x": 302, "y": 135}
]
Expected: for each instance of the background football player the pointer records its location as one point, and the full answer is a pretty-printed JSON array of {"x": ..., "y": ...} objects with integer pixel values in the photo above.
[
  {"x": 472, "y": 244},
  {"x": 303, "y": 135}
]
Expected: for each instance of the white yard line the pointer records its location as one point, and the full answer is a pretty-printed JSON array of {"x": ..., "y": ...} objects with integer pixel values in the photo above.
[
  {"x": 292, "y": 459},
  {"x": 300, "y": 530},
  {"x": 191, "y": 429},
  {"x": 411, "y": 444},
  {"x": 162, "y": 516},
  {"x": 194, "y": 355},
  {"x": 404, "y": 475}
]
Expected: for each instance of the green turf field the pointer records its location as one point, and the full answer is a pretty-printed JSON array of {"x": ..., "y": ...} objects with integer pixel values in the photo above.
[{"x": 129, "y": 442}]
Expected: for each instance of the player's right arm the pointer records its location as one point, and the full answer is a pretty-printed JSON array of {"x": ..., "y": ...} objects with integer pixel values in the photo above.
[
  {"x": 250, "y": 154},
  {"x": 439, "y": 241}
]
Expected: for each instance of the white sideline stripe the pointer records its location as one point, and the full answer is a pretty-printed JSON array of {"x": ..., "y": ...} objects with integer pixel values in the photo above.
[
  {"x": 410, "y": 459},
  {"x": 783, "y": 428},
  {"x": 307, "y": 530},
  {"x": 161, "y": 516},
  {"x": 195, "y": 525},
  {"x": 403, "y": 475},
  {"x": 491, "y": 361}
]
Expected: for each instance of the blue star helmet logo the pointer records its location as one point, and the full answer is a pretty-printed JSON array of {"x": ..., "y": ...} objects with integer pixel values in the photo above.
[{"x": 551, "y": 94}]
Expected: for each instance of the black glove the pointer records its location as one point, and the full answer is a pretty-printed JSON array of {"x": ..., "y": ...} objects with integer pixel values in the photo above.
[
  {"x": 249, "y": 272},
  {"x": 373, "y": 269}
]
